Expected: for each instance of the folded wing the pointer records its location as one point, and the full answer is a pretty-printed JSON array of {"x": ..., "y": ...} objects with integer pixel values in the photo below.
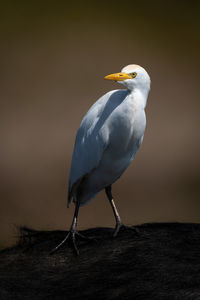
[{"x": 91, "y": 141}]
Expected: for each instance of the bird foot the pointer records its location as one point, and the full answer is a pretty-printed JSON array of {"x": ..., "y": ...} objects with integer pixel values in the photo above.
[
  {"x": 72, "y": 237},
  {"x": 127, "y": 227}
]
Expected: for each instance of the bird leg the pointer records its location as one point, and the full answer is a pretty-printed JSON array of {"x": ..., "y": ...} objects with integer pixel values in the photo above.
[
  {"x": 72, "y": 233},
  {"x": 119, "y": 223},
  {"x": 116, "y": 214}
]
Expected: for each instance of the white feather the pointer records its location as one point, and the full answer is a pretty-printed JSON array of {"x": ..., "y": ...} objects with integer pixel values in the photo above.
[{"x": 108, "y": 139}]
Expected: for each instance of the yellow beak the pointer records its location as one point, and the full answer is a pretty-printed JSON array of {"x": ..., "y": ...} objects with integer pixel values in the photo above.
[{"x": 118, "y": 76}]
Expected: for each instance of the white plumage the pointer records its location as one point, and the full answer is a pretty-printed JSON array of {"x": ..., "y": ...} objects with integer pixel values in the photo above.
[{"x": 108, "y": 139}]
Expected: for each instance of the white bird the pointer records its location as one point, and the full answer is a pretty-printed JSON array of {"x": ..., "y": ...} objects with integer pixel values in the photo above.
[{"x": 107, "y": 140}]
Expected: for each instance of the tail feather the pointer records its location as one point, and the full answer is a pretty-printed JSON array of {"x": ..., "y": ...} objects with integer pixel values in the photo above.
[
  {"x": 69, "y": 199},
  {"x": 72, "y": 192}
]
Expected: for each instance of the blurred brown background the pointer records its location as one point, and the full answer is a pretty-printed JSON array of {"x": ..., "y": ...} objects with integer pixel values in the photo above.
[{"x": 54, "y": 56}]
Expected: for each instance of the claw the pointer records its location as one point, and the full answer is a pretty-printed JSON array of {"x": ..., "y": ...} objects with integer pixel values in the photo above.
[
  {"x": 74, "y": 243},
  {"x": 121, "y": 225},
  {"x": 83, "y": 237},
  {"x": 71, "y": 234}
]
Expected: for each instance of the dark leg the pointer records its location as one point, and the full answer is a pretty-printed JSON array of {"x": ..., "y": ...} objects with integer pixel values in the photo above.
[
  {"x": 116, "y": 214},
  {"x": 119, "y": 223},
  {"x": 71, "y": 233}
]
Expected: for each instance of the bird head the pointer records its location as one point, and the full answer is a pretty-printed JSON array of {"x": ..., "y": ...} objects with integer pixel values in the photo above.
[{"x": 132, "y": 77}]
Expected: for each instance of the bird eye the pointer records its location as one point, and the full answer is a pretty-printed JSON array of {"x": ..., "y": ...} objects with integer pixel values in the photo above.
[{"x": 134, "y": 74}]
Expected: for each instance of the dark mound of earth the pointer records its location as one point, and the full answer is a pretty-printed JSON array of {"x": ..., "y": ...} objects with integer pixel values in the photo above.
[{"x": 161, "y": 261}]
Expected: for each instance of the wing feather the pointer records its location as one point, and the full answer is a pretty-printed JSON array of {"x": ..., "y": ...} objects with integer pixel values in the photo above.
[{"x": 91, "y": 141}]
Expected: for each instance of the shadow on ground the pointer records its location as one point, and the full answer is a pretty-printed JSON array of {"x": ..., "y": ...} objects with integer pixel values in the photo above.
[{"x": 161, "y": 262}]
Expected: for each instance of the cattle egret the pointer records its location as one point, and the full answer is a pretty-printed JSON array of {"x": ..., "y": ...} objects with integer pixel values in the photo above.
[{"x": 107, "y": 140}]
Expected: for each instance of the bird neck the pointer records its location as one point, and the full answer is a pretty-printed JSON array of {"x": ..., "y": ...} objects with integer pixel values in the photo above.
[{"x": 139, "y": 97}]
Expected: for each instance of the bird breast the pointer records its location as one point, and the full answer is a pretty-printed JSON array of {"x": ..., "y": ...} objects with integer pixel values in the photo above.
[{"x": 125, "y": 127}]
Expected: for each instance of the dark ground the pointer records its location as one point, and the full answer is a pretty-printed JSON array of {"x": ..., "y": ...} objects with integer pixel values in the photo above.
[{"x": 161, "y": 262}]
